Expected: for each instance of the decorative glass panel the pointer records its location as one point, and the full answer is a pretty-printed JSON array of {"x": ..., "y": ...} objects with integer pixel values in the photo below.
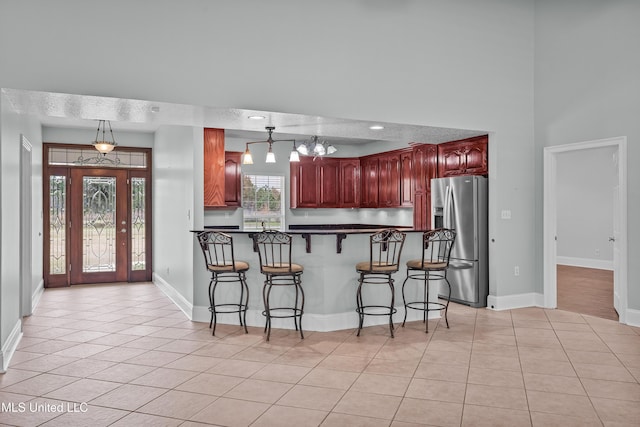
[
  {"x": 57, "y": 224},
  {"x": 64, "y": 156},
  {"x": 138, "y": 244},
  {"x": 99, "y": 224}
]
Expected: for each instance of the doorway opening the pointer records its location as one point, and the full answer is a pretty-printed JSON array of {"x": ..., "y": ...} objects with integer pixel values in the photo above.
[
  {"x": 97, "y": 222},
  {"x": 554, "y": 262}
]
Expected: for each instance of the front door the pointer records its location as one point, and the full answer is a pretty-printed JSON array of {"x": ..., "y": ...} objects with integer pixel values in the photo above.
[{"x": 99, "y": 229}]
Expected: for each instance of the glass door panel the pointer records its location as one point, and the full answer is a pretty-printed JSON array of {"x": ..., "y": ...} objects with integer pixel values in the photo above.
[
  {"x": 57, "y": 224},
  {"x": 99, "y": 230},
  {"x": 99, "y": 224},
  {"x": 138, "y": 226}
]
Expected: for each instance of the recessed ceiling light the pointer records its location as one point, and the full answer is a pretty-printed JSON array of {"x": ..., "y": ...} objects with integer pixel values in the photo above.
[
  {"x": 376, "y": 127},
  {"x": 256, "y": 117}
]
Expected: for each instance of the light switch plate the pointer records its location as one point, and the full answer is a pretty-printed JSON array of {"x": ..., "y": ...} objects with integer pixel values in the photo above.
[{"x": 506, "y": 214}]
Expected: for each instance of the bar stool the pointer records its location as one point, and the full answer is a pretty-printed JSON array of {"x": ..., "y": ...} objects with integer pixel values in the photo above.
[
  {"x": 385, "y": 248},
  {"x": 217, "y": 249},
  {"x": 436, "y": 250},
  {"x": 274, "y": 250}
]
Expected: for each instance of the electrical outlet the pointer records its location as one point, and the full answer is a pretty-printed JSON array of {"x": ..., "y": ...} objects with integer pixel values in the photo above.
[
  {"x": 516, "y": 270},
  {"x": 597, "y": 252},
  {"x": 505, "y": 214}
]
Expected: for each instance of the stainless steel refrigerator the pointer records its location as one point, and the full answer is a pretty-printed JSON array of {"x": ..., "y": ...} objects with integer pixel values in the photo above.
[{"x": 460, "y": 203}]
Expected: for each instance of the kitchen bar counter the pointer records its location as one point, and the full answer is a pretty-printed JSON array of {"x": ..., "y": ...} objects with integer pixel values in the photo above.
[{"x": 329, "y": 280}]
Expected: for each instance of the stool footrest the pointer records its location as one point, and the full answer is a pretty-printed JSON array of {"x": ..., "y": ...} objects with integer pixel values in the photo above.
[
  {"x": 366, "y": 310},
  {"x": 426, "y": 306},
  {"x": 239, "y": 308},
  {"x": 273, "y": 312}
]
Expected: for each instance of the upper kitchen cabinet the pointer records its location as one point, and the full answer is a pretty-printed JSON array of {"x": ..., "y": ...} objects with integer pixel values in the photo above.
[
  {"x": 325, "y": 183},
  {"x": 222, "y": 175},
  {"x": 214, "y": 168},
  {"x": 304, "y": 183},
  {"x": 389, "y": 172},
  {"x": 466, "y": 157},
  {"x": 349, "y": 183},
  {"x": 425, "y": 167},
  {"x": 406, "y": 178},
  {"x": 232, "y": 178},
  {"x": 370, "y": 181}
]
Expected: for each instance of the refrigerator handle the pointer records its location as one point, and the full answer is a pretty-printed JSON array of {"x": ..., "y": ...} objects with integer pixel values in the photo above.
[{"x": 446, "y": 215}]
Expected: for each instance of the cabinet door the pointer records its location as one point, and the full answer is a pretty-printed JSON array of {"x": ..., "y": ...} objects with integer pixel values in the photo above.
[
  {"x": 349, "y": 183},
  {"x": 389, "y": 190},
  {"x": 232, "y": 178},
  {"x": 406, "y": 178},
  {"x": 214, "y": 168},
  {"x": 477, "y": 157},
  {"x": 420, "y": 211},
  {"x": 370, "y": 182},
  {"x": 328, "y": 180},
  {"x": 307, "y": 185},
  {"x": 466, "y": 157}
]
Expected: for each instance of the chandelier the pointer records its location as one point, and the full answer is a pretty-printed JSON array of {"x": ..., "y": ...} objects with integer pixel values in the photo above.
[
  {"x": 102, "y": 145},
  {"x": 247, "y": 158},
  {"x": 315, "y": 147}
]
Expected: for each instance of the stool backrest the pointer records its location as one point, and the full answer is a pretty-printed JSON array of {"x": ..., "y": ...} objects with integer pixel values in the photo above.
[
  {"x": 436, "y": 247},
  {"x": 274, "y": 249},
  {"x": 385, "y": 248},
  {"x": 217, "y": 249}
]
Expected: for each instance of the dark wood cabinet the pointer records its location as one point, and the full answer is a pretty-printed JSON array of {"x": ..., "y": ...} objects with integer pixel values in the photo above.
[
  {"x": 425, "y": 167},
  {"x": 232, "y": 178},
  {"x": 325, "y": 183},
  {"x": 389, "y": 183},
  {"x": 406, "y": 178},
  {"x": 370, "y": 182},
  {"x": 304, "y": 184},
  {"x": 349, "y": 183},
  {"x": 214, "y": 168},
  {"x": 329, "y": 180},
  {"x": 466, "y": 157}
]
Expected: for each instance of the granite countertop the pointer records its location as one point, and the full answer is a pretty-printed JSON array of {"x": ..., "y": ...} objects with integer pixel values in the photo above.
[{"x": 319, "y": 228}]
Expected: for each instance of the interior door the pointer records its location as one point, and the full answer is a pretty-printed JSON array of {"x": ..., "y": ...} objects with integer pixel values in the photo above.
[{"x": 99, "y": 230}]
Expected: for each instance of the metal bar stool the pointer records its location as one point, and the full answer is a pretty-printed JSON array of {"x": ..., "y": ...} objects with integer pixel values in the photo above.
[
  {"x": 436, "y": 249},
  {"x": 274, "y": 250},
  {"x": 217, "y": 249},
  {"x": 385, "y": 248}
]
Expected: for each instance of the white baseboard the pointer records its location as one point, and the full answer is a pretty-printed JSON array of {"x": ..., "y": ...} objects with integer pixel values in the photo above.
[
  {"x": 633, "y": 317},
  {"x": 585, "y": 262},
  {"x": 509, "y": 302},
  {"x": 311, "y": 321},
  {"x": 10, "y": 346},
  {"x": 37, "y": 294},
  {"x": 175, "y": 296}
]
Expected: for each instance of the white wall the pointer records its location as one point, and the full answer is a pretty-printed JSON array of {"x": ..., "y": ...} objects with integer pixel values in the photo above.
[
  {"x": 463, "y": 64},
  {"x": 586, "y": 180},
  {"x": 173, "y": 207},
  {"x": 587, "y": 88},
  {"x": 12, "y": 125}
]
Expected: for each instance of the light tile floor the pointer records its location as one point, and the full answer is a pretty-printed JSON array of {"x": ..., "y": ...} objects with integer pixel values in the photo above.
[{"x": 128, "y": 353}]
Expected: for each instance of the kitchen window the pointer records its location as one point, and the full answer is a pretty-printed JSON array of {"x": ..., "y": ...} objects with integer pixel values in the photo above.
[{"x": 263, "y": 202}]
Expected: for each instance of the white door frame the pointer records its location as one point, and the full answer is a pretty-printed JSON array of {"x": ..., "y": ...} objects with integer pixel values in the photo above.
[{"x": 550, "y": 219}]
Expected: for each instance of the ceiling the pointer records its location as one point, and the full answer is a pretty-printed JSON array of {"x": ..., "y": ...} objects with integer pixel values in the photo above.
[{"x": 81, "y": 111}]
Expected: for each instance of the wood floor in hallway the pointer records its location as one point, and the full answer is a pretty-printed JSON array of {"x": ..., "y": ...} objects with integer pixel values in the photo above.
[{"x": 586, "y": 291}]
